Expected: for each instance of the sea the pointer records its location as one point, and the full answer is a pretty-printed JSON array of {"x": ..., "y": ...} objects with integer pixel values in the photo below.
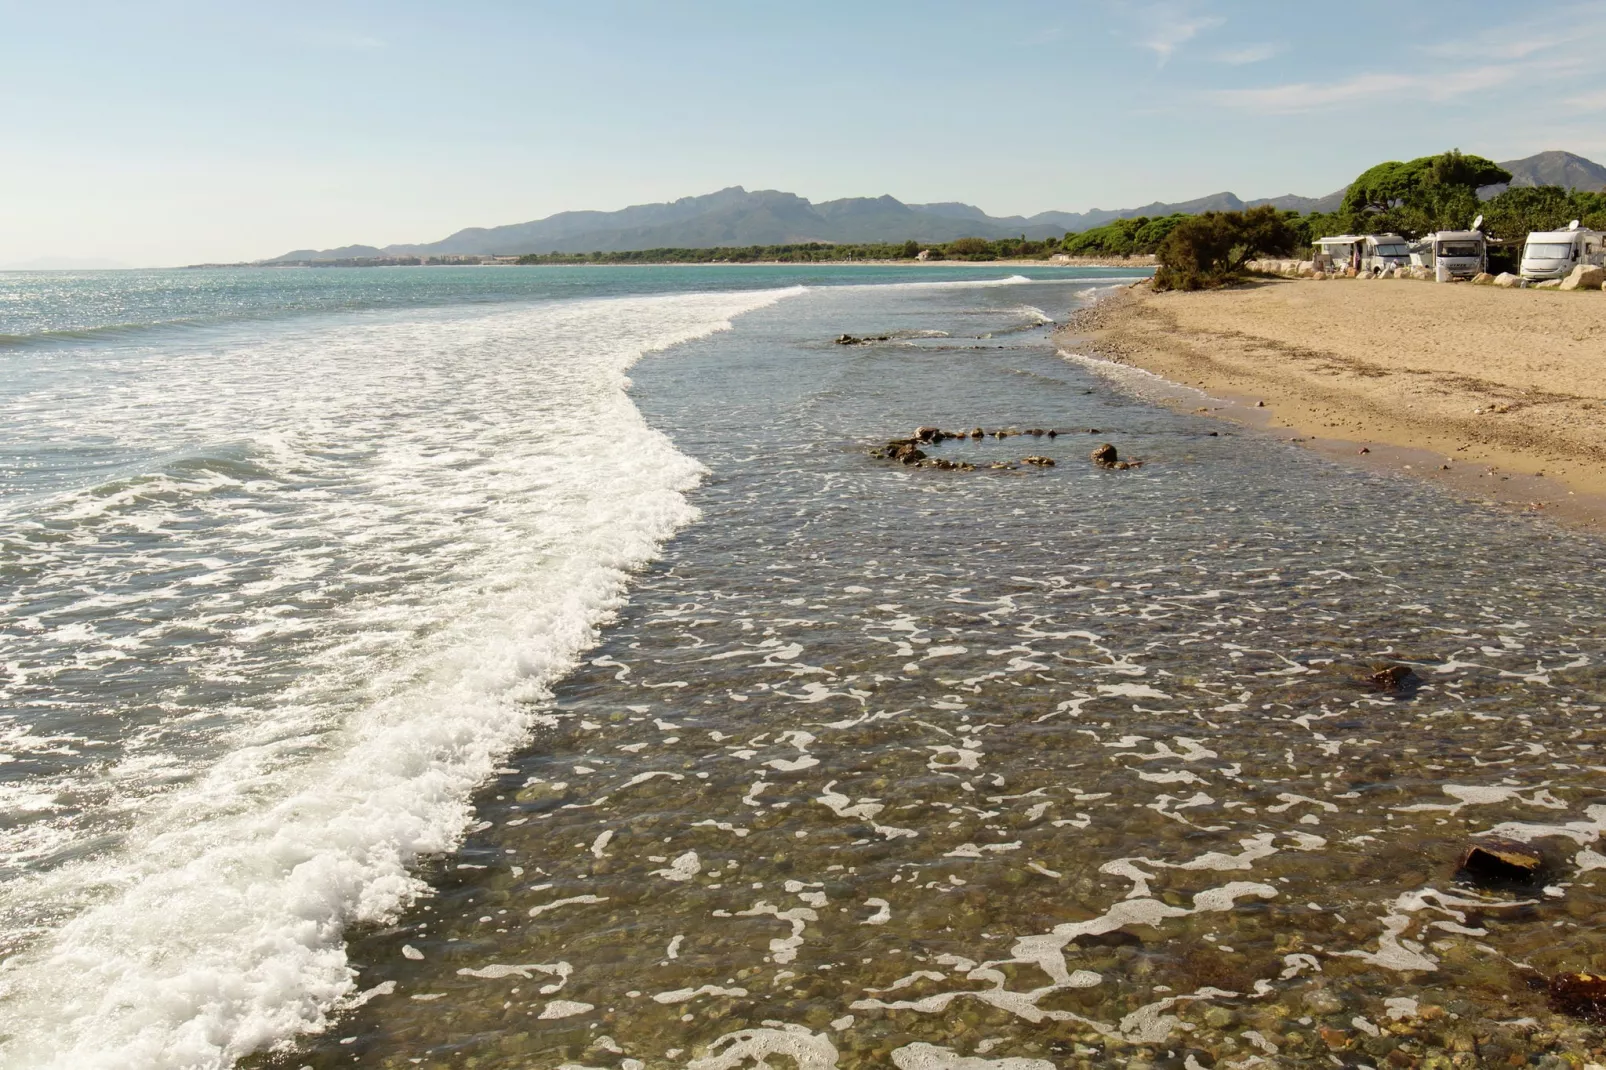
[{"x": 534, "y": 667}]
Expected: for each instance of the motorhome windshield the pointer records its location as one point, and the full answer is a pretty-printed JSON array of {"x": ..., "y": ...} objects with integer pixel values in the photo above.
[
  {"x": 1548, "y": 251},
  {"x": 1393, "y": 250},
  {"x": 1459, "y": 248}
]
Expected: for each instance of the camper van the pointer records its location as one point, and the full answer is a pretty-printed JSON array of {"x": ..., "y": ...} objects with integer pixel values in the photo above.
[
  {"x": 1455, "y": 254},
  {"x": 1375, "y": 251},
  {"x": 1552, "y": 254}
]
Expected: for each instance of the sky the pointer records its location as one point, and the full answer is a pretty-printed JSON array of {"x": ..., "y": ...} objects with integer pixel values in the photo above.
[{"x": 164, "y": 133}]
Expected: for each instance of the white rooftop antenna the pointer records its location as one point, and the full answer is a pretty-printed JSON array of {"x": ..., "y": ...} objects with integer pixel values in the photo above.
[
  {"x": 1477, "y": 224},
  {"x": 1573, "y": 225}
]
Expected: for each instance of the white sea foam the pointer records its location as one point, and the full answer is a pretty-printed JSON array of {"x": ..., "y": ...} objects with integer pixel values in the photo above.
[{"x": 476, "y": 487}]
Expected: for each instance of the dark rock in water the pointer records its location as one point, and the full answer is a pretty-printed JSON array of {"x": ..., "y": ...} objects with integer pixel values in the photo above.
[
  {"x": 928, "y": 434},
  {"x": 1052, "y": 434},
  {"x": 1582, "y": 995},
  {"x": 1093, "y": 431},
  {"x": 1105, "y": 455},
  {"x": 1392, "y": 679},
  {"x": 1041, "y": 462},
  {"x": 977, "y": 432},
  {"x": 1502, "y": 861},
  {"x": 1002, "y": 433},
  {"x": 848, "y": 340},
  {"x": 1036, "y": 432},
  {"x": 911, "y": 455}
]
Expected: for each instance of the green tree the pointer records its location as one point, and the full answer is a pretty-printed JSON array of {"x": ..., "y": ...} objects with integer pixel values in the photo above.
[
  {"x": 911, "y": 249},
  {"x": 1421, "y": 195},
  {"x": 1521, "y": 210},
  {"x": 1211, "y": 249}
]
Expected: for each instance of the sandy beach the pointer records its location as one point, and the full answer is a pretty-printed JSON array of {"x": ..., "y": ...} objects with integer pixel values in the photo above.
[{"x": 1500, "y": 393}]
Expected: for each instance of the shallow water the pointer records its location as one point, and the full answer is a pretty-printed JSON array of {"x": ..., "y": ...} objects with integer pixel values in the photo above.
[{"x": 1040, "y": 767}]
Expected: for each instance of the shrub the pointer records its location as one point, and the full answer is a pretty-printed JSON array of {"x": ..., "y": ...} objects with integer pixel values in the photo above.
[
  {"x": 1211, "y": 249},
  {"x": 969, "y": 247}
]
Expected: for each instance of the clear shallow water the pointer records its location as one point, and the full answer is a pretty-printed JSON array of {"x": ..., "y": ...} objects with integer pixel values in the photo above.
[
  {"x": 280, "y": 588},
  {"x": 884, "y": 767},
  {"x": 875, "y": 766}
]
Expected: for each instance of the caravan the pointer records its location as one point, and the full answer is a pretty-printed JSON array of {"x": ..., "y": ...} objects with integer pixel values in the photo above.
[
  {"x": 1452, "y": 254},
  {"x": 1368, "y": 253},
  {"x": 1552, "y": 254}
]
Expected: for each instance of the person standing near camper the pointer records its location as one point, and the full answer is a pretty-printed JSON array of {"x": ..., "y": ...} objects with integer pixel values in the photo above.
[{"x": 1355, "y": 258}]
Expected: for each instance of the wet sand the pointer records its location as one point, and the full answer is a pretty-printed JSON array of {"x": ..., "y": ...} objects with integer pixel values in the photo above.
[{"x": 1500, "y": 394}]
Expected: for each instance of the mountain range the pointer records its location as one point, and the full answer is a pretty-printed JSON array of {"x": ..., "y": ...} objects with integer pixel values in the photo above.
[{"x": 736, "y": 216}]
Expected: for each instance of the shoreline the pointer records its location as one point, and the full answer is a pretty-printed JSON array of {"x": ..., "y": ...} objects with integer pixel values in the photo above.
[
  {"x": 1138, "y": 264},
  {"x": 1489, "y": 420}
]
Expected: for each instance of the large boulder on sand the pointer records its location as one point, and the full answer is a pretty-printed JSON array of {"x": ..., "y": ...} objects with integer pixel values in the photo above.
[
  {"x": 1506, "y": 278},
  {"x": 1482, "y": 278},
  {"x": 1548, "y": 284},
  {"x": 1585, "y": 277}
]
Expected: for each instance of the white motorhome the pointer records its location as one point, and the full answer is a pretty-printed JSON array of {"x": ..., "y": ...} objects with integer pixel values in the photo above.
[
  {"x": 1552, "y": 254},
  {"x": 1457, "y": 254},
  {"x": 1370, "y": 252}
]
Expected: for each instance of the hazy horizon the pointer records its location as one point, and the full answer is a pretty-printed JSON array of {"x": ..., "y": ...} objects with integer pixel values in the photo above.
[{"x": 174, "y": 135}]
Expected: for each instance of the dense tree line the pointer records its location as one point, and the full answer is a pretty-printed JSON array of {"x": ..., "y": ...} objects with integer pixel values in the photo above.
[{"x": 978, "y": 249}]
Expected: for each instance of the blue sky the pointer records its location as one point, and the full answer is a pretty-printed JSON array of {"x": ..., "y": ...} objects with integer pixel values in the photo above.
[{"x": 168, "y": 133}]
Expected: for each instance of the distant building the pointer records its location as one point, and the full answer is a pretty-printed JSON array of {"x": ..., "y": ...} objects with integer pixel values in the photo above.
[{"x": 924, "y": 254}]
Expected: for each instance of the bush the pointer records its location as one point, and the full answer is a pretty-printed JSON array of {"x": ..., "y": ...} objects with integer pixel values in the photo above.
[
  {"x": 1210, "y": 250},
  {"x": 969, "y": 247}
]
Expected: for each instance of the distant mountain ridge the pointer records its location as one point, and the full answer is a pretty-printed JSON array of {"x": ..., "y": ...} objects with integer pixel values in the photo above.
[
  {"x": 1553, "y": 168},
  {"x": 738, "y": 217}
]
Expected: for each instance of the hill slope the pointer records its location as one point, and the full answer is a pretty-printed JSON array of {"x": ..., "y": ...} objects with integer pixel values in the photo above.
[{"x": 1553, "y": 168}]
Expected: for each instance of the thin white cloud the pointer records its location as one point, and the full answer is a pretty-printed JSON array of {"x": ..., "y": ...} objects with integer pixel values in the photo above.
[
  {"x": 1588, "y": 102},
  {"x": 1296, "y": 97},
  {"x": 1239, "y": 57},
  {"x": 1166, "y": 28},
  {"x": 1492, "y": 48}
]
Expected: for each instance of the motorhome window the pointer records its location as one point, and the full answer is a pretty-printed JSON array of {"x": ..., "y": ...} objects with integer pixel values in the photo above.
[
  {"x": 1548, "y": 251},
  {"x": 1459, "y": 248},
  {"x": 1393, "y": 250}
]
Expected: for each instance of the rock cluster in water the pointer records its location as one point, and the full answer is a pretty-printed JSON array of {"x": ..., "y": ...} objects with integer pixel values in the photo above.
[
  {"x": 908, "y": 451},
  {"x": 1105, "y": 455}
]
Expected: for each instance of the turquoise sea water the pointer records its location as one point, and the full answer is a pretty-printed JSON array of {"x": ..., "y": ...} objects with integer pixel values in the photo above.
[{"x": 531, "y": 667}]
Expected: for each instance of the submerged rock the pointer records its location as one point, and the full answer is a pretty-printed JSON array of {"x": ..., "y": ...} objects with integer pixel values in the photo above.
[
  {"x": 928, "y": 434},
  {"x": 1104, "y": 455},
  {"x": 1040, "y": 461},
  {"x": 1502, "y": 861},
  {"x": 1582, "y": 995},
  {"x": 1392, "y": 679}
]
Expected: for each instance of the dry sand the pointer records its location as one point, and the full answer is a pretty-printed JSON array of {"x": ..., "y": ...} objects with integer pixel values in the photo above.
[{"x": 1499, "y": 393}]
